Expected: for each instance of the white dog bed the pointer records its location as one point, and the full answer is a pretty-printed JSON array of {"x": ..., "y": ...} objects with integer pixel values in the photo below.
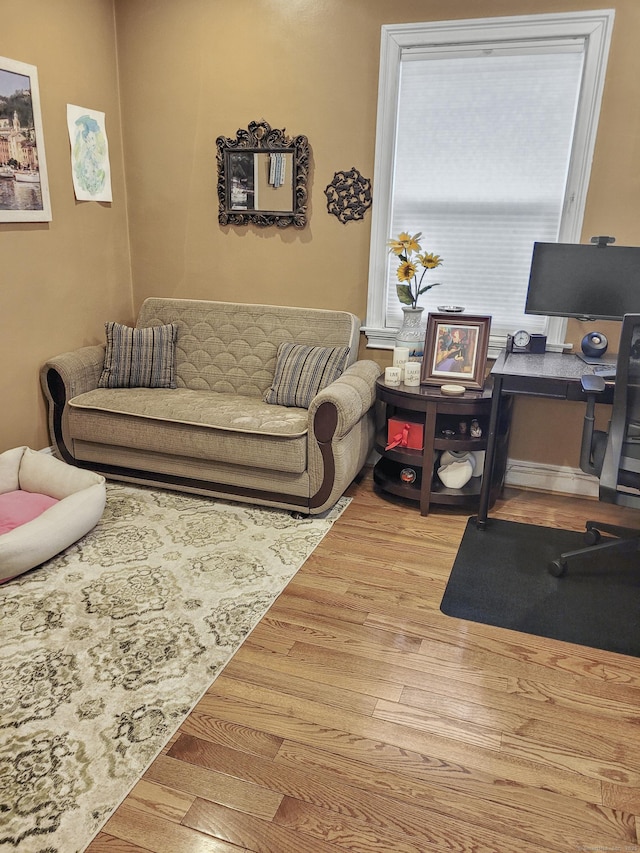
[{"x": 45, "y": 506}]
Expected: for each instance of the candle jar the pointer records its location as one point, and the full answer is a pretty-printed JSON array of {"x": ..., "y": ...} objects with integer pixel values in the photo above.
[{"x": 392, "y": 375}]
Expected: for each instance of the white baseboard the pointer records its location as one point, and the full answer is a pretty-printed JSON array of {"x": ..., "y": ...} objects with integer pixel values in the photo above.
[
  {"x": 550, "y": 478},
  {"x": 48, "y": 450}
]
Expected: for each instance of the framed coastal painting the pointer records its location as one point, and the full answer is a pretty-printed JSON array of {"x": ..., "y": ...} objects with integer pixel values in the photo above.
[
  {"x": 455, "y": 350},
  {"x": 24, "y": 187}
]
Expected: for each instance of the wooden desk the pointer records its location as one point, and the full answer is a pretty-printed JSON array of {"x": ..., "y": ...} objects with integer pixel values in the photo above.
[{"x": 551, "y": 374}]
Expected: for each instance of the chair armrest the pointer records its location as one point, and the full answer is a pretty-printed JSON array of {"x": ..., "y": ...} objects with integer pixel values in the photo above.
[
  {"x": 592, "y": 383},
  {"x": 338, "y": 407}
]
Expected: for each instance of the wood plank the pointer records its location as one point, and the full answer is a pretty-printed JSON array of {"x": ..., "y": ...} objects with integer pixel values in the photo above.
[
  {"x": 408, "y": 671},
  {"x": 513, "y": 710},
  {"x": 484, "y": 642},
  {"x": 104, "y": 843},
  {"x": 156, "y": 799},
  {"x": 295, "y": 685},
  {"x": 309, "y": 626},
  {"x": 573, "y": 758},
  {"x": 250, "y": 833},
  {"x": 353, "y": 835},
  {"x": 622, "y": 797},
  {"x": 287, "y": 667},
  {"x": 204, "y": 783},
  {"x": 153, "y": 833},
  {"x": 269, "y": 641},
  {"x": 230, "y": 733},
  {"x": 611, "y": 701}
]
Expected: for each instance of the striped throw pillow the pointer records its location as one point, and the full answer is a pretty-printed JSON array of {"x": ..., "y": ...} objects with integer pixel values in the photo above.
[
  {"x": 302, "y": 371},
  {"x": 139, "y": 358}
]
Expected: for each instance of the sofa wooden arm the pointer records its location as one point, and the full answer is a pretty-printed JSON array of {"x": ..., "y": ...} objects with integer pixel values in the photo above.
[
  {"x": 63, "y": 377},
  {"x": 349, "y": 399},
  {"x": 341, "y": 430}
]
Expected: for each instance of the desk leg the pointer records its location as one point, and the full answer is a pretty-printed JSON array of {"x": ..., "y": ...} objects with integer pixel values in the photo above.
[{"x": 490, "y": 455}]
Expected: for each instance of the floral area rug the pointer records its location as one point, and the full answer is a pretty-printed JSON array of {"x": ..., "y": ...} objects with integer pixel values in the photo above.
[{"x": 105, "y": 649}]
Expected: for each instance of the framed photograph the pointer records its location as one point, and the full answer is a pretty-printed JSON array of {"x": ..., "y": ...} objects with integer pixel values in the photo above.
[
  {"x": 24, "y": 187},
  {"x": 455, "y": 350}
]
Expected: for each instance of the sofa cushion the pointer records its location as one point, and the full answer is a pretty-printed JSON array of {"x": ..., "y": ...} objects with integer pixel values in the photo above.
[
  {"x": 201, "y": 424},
  {"x": 139, "y": 358},
  {"x": 302, "y": 371}
]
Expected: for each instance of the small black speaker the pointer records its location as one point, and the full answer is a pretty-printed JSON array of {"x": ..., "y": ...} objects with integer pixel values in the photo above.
[{"x": 594, "y": 344}]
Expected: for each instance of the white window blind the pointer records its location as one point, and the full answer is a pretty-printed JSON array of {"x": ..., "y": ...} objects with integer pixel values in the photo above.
[
  {"x": 482, "y": 152},
  {"x": 484, "y": 140}
]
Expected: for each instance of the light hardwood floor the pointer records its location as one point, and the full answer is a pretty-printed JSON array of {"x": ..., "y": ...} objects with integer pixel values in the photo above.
[{"x": 357, "y": 717}]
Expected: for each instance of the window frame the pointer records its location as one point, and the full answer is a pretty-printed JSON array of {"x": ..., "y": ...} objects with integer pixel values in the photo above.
[{"x": 593, "y": 27}]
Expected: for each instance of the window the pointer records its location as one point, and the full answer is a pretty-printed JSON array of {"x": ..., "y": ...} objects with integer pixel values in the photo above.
[{"x": 484, "y": 142}]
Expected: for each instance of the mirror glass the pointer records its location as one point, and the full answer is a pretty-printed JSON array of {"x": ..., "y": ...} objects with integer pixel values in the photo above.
[{"x": 262, "y": 177}]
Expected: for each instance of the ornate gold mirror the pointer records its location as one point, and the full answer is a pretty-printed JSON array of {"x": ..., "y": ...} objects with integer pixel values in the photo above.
[{"x": 262, "y": 177}]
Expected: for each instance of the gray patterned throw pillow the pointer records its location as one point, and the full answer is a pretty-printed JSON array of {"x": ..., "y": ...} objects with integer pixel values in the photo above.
[
  {"x": 302, "y": 371},
  {"x": 139, "y": 358}
]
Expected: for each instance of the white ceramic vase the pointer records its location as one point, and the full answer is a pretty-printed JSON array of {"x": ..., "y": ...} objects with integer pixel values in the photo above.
[{"x": 412, "y": 332}]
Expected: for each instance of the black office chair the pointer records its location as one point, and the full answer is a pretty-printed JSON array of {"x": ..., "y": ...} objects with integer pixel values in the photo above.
[{"x": 613, "y": 456}]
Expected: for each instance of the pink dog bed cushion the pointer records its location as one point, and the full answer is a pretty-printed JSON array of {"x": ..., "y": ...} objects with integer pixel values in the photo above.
[{"x": 19, "y": 507}]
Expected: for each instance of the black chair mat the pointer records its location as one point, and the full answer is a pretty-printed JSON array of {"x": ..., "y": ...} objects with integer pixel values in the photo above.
[{"x": 500, "y": 578}]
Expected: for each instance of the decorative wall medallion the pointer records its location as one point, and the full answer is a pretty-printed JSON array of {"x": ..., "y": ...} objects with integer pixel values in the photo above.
[{"x": 348, "y": 195}]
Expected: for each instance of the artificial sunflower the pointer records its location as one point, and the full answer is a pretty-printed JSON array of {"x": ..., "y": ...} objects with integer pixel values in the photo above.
[
  {"x": 405, "y": 244},
  {"x": 411, "y": 287},
  {"x": 406, "y": 271},
  {"x": 430, "y": 261}
]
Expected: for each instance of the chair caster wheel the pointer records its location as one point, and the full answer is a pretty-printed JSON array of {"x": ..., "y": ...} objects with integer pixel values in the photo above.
[
  {"x": 558, "y": 568},
  {"x": 591, "y": 536}
]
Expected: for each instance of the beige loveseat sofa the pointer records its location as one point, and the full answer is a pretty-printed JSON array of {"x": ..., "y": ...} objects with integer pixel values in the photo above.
[{"x": 213, "y": 433}]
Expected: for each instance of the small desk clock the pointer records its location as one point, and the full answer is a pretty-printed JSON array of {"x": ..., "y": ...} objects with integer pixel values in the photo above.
[{"x": 523, "y": 341}]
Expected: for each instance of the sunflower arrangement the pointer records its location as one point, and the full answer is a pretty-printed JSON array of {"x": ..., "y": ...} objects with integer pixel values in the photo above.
[{"x": 412, "y": 268}]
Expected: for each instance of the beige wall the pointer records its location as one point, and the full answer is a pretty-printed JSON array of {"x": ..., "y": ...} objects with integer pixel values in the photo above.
[
  {"x": 197, "y": 69},
  {"x": 61, "y": 279}
]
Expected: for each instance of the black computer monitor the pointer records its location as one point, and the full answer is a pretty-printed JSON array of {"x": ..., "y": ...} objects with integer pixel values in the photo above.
[{"x": 593, "y": 282}]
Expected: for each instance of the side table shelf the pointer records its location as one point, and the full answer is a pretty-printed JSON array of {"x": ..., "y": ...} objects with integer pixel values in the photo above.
[{"x": 440, "y": 417}]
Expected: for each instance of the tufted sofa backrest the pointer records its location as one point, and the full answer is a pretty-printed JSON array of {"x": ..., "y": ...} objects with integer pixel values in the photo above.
[{"x": 232, "y": 347}]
